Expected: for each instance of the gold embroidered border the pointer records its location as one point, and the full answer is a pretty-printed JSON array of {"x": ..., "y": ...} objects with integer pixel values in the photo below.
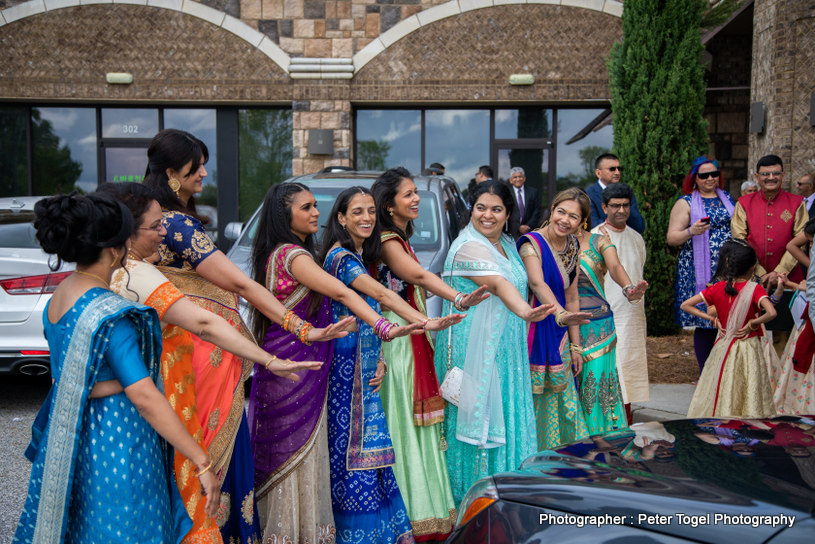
[
  {"x": 432, "y": 526},
  {"x": 294, "y": 461},
  {"x": 600, "y": 352}
]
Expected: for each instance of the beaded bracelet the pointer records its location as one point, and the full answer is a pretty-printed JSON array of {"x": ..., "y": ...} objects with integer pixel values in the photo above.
[
  {"x": 302, "y": 332},
  {"x": 457, "y": 302},
  {"x": 287, "y": 321}
]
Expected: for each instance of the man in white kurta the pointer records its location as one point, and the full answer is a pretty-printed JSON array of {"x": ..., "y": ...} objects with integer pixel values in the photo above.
[{"x": 629, "y": 319}]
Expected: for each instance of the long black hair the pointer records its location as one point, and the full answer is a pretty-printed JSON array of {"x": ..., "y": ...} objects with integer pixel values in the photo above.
[
  {"x": 173, "y": 148},
  {"x": 736, "y": 257},
  {"x": 334, "y": 232},
  {"x": 76, "y": 228},
  {"x": 384, "y": 190},
  {"x": 502, "y": 191},
  {"x": 273, "y": 229}
]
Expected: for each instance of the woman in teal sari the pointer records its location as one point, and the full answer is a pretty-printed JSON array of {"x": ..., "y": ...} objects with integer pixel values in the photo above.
[
  {"x": 101, "y": 471},
  {"x": 492, "y": 429},
  {"x": 600, "y": 393}
]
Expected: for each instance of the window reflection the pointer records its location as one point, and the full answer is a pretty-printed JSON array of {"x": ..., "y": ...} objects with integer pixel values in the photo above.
[
  {"x": 201, "y": 124},
  {"x": 265, "y": 155},
  {"x": 64, "y": 145},
  {"x": 458, "y": 139},
  {"x": 388, "y": 138},
  {"x": 591, "y": 135},
  {"x": 14, "y": 155},
  {"x": 523, "y": 123}
]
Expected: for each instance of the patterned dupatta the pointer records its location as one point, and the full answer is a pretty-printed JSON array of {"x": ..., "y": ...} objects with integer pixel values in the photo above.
[
  {"x": 369, "y": 442},
  {"x": 735, "y": 320},
  {"x": 428, "y": 406},
  {"x": 701, "y": 242},
  {"x": 57, "y": 449},
  {"x": 595, "y": 255},
  {"x": 219, "y": 375},
  {"x": 284, "y": 416}
]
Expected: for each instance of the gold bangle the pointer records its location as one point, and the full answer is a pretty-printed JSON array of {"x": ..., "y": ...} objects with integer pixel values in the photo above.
[
  {"x": 205, "y": 469},
  {"x": 272, "y": 358},
  {"x": 559, "y": 318},
  {"x": 750, "y": 325}
]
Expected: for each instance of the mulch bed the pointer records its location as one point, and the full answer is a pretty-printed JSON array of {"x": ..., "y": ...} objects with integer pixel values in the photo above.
[{"x": 671, "y": 359}]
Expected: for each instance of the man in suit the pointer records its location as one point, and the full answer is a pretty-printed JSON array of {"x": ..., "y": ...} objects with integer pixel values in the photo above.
[
  {"x": 483, "y": 174},
  {"x": 608, "y": 170},
  {"x": 528, "y": 202},
  {"x": 806, "y": 187}
]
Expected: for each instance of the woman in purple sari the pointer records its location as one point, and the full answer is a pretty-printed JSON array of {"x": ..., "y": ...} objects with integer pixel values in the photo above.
[{"x": 287, "y": 420}]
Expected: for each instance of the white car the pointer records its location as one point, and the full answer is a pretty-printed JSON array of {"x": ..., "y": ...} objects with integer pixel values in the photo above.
[{"x": 26, "y": 284}]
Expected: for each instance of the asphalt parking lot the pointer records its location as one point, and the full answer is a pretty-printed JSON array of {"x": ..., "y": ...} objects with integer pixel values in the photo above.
[{"x": 20, "y": 398}]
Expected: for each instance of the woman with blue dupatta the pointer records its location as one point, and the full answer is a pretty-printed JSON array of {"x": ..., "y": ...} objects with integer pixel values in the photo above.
[
  {"x": 102, "y": 472},
  {"x": 288, "y": 422},
  {"x": 550, "y": 255},
  {"x": 492, "y": 429},
  {"x": 368, "y": 507}
]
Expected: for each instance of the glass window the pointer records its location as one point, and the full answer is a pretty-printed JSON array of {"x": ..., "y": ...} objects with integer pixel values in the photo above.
[
  {"x": 201, "y": 124},
  {"x": 458, "y": 139},
  {"x": 389, "y": 138},
  {"x": 125, "y": 164},
  {"x": 129, "y": 122},
  {"x": 65, "y": 146},
  {"x": 582, "y": 136},
  {"x": 426, "y": 228},
  {"x": 265, "y": 155},
  {"x": 13, "y": 152},
  {"x": 523, "y": 123}
]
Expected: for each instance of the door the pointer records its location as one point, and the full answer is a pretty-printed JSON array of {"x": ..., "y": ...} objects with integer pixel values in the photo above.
[{"x": 535, "y": 158}]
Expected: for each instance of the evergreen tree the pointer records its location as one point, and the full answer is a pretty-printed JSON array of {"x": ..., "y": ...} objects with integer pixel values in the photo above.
[{"x": 658, "y": 99}]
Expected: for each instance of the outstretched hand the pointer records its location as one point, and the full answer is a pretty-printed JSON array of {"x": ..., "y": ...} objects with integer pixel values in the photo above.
[
  {"x": 335, "y": 330},
  {"x": 479, "y": 295},
  {"x": 636, "y": 292},
  {"x": 286, "y": 368},
  {"x": 404, "y": 330},
  {"x": 539, "y": 313},
  {"x": 441, "y": 323},
  {"x": 576, "y": 318}
]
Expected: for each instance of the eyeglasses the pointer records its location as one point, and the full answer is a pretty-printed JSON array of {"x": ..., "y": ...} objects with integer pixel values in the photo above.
[
  {"x": 615, "y": 168},
  {"x": 618, "y": 207},
  {"x": 771, "y": 174},
  {"x": 705, "y": 175},
  {"x": 157, "y": 228}
]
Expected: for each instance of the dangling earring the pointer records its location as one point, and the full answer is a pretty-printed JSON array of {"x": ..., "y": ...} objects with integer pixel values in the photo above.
[
  {"x": 175, "y": 185},
  {"x": 390, "y": 211},
  {"x": 585, "y": 224},
  {"x": 115, "y": 259}
]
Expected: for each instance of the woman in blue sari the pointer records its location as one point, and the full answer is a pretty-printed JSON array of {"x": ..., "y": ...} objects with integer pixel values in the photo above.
[
  {"x": 101, "y": 471},
  {"x": 492, "y": 429},
  {"x": 368, "y": 507}
]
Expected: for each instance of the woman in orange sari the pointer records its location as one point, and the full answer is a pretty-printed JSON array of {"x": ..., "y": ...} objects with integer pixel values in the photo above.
[{"x": 143, "y": 283}]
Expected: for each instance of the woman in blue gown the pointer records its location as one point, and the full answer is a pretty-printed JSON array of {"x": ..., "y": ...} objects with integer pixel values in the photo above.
[
  {"x": 492, "y": 429},
  {"x": 102, "y": 472}
]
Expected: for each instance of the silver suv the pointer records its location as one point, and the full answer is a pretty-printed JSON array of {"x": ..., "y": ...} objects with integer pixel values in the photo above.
[
  {"x": 26, "y": 284},
  {"x": 442, "y": 214}
]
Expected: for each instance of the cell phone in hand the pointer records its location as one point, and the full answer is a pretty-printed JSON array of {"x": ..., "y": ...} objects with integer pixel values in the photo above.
[{"x": 705, "y": 220}]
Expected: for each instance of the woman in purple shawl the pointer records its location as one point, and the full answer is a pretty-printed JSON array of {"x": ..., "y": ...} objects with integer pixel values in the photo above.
[
  {"x": 287, "y": 420},
  {"x": 700, "y": 224}
]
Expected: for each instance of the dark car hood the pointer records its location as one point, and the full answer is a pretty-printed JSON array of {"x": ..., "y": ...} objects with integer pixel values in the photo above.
[{"x": 688, "y": 467}]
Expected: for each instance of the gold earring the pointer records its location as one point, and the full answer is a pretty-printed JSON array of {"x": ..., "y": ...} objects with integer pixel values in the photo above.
[
  {"x": 585, "y": 224},
  {"x": 175, "y": 185},
  {"x": 390, "y": 211},
  {"x": 115, "y": 258}
]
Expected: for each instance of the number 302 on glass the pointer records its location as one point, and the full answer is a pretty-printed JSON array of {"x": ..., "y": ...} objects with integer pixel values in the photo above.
[{"x": 130, "y": 129}]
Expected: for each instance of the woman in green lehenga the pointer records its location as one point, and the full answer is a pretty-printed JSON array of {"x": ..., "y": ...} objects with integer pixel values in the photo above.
[
  {"x": 410, "y": 392},
  {"x": 600, "y": 392}
]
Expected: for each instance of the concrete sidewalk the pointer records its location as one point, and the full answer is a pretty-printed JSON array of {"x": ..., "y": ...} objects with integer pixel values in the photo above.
[{"x": 668, "y": 401}]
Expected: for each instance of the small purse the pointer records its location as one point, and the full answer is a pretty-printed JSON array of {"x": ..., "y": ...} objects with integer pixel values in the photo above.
[{"x": 451, "y": 386}]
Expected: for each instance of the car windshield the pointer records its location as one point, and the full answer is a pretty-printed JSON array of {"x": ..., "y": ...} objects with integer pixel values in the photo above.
[
  {"x": 17, "y": 229},
  {"x": 426, "y": 228}
]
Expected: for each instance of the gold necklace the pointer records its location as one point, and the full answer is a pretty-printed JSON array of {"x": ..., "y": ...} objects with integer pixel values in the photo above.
[
  {"x": 107, "y": 285},
  {"x": 547, "y": 235},
  {"x": 132, "y": 257}
]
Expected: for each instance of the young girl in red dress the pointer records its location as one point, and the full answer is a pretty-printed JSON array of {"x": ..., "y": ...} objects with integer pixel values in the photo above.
[{"x": 735, "y": 381}]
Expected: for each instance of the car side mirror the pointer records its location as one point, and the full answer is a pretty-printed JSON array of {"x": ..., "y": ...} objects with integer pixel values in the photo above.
[{"x": 232, "y": 231}]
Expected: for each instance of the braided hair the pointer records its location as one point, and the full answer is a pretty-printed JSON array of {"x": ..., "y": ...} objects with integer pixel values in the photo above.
[{"x": 736, "y": 258}]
